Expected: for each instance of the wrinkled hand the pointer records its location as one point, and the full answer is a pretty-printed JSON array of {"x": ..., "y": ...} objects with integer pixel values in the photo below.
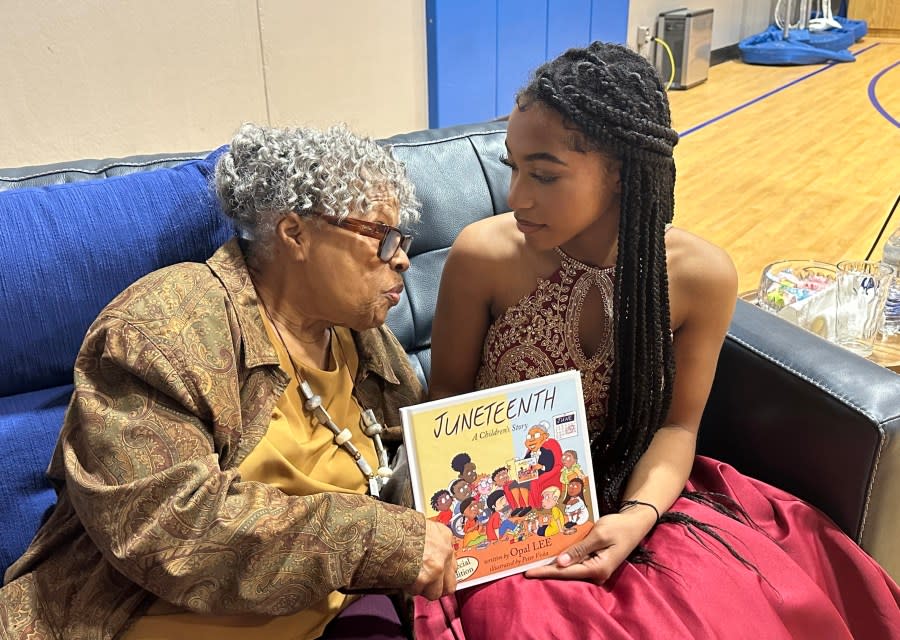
[
  {"x": 596, "y": 557},
  {"x": 437, "y": 577}
]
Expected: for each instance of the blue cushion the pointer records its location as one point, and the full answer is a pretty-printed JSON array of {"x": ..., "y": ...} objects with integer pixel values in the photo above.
[
  {"x": 67, "y": 250},
  {"x": 29, "y": 426}
]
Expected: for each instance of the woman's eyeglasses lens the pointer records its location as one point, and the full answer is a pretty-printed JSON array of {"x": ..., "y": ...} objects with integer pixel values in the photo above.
[{"x": 393, "y": 241}]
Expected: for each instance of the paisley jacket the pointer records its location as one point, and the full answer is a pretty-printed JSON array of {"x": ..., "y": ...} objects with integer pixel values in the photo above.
[{"x": 175, "y": 384}]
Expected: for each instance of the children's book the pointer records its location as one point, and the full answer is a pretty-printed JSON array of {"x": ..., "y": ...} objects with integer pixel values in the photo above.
[{"x": 508, "y": 470}]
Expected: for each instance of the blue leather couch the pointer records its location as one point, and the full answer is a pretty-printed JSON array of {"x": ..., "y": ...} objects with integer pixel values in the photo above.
[{"x": 786, "y": 406}]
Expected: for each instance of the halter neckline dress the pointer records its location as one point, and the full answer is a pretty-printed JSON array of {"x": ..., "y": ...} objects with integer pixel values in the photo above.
[{"x": 812, "y": 582}]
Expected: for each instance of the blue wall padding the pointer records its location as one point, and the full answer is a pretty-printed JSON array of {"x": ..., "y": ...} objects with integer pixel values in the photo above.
[
  {"x": 462, "y": 61},
  {"x": 609, "y": 20},
  {"x": 568, "y": 23},
  {"x": 480, "y": 53},
  {"x": 521, "y": 46}
]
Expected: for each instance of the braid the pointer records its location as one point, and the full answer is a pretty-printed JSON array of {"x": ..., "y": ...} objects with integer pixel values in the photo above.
[{"x": 614, "y": 101}]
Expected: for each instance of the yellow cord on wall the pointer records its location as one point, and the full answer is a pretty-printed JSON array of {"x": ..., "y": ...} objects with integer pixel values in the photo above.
[{"x": 671, "y": 61}]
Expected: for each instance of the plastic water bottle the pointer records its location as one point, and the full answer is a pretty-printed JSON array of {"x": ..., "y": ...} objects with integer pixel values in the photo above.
[{"x": 891, "y": 324}]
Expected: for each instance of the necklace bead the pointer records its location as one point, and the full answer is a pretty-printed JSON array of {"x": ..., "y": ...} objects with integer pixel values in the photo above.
[
  {"x": 373, "y": 430},
  {"x": 314, "y": 402},
  {"x": 369, "y": 424}
]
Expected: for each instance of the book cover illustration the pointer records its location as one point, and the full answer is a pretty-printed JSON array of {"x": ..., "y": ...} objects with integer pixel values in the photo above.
[{"x": 508, "y": 470}]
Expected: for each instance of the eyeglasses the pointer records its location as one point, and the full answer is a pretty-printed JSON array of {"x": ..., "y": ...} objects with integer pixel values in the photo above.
[{"x": 392, "y": 239}]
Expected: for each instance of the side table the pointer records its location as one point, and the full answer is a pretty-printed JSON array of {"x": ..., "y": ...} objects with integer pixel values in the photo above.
[{"x": 886, "y": 351}]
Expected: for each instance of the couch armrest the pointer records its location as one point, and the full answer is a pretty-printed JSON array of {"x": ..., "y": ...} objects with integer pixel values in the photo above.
[{"x": 809, "y": 417}]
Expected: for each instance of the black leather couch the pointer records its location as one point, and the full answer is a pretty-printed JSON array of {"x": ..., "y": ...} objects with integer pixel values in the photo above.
[{"x": 786, "y": 407}]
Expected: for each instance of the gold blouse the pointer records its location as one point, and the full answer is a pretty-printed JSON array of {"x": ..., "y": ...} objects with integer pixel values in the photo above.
[{"x": 299, "y": 457}]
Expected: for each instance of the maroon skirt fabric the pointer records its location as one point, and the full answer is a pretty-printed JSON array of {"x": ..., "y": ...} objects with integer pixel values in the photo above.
[
  {"x": 812, "y": 583},
  {"x": 371, "y": 617}
]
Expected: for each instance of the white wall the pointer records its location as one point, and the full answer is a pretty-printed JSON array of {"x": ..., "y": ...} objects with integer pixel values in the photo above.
[
  {"x": 101, "y": 78},
  {"x": 732, "y": 19}
]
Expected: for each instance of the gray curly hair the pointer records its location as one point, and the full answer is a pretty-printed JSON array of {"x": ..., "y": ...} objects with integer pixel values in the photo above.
[{"x": 267, "y": 172}]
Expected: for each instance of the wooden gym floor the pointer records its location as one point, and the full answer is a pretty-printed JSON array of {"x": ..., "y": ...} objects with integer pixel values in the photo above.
[{"x": 791, "y": 162}]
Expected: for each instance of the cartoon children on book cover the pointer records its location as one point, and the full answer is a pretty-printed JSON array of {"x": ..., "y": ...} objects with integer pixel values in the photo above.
[{"x": 508, "y": 470}]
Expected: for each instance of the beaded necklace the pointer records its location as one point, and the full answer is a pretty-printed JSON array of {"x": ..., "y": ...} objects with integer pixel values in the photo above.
[{"x": 312, "y": 402}]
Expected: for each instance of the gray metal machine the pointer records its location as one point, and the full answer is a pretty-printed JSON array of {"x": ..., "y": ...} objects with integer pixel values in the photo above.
[{"x": 688, "y": 33}]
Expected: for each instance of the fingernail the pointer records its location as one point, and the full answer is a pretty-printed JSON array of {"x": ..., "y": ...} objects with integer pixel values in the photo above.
[{"x": 564, "y": 559}]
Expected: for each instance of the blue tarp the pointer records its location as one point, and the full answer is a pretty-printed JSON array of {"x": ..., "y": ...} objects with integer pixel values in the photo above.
[
  {"x": 858, "y": 27},
  {"x": 802, "y": 46}
]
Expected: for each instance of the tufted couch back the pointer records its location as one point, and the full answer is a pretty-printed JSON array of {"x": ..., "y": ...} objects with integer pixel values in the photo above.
[
  {"x": 73, "y": 235},
  {"x": 459, "y": 179}
]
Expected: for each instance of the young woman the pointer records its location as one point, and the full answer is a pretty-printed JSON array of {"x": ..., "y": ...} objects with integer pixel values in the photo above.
[{"x": 586, "y": 272}]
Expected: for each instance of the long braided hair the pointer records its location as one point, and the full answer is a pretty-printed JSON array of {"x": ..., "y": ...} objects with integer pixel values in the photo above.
[{"x": 614, "y": 102}]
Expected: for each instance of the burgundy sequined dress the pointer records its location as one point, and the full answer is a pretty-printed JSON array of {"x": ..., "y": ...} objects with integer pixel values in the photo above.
[{"x": 813, "y": 582}]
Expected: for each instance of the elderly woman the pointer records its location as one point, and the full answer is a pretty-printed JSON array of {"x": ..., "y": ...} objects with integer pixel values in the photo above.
[{"x": 222, "y": 456}]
